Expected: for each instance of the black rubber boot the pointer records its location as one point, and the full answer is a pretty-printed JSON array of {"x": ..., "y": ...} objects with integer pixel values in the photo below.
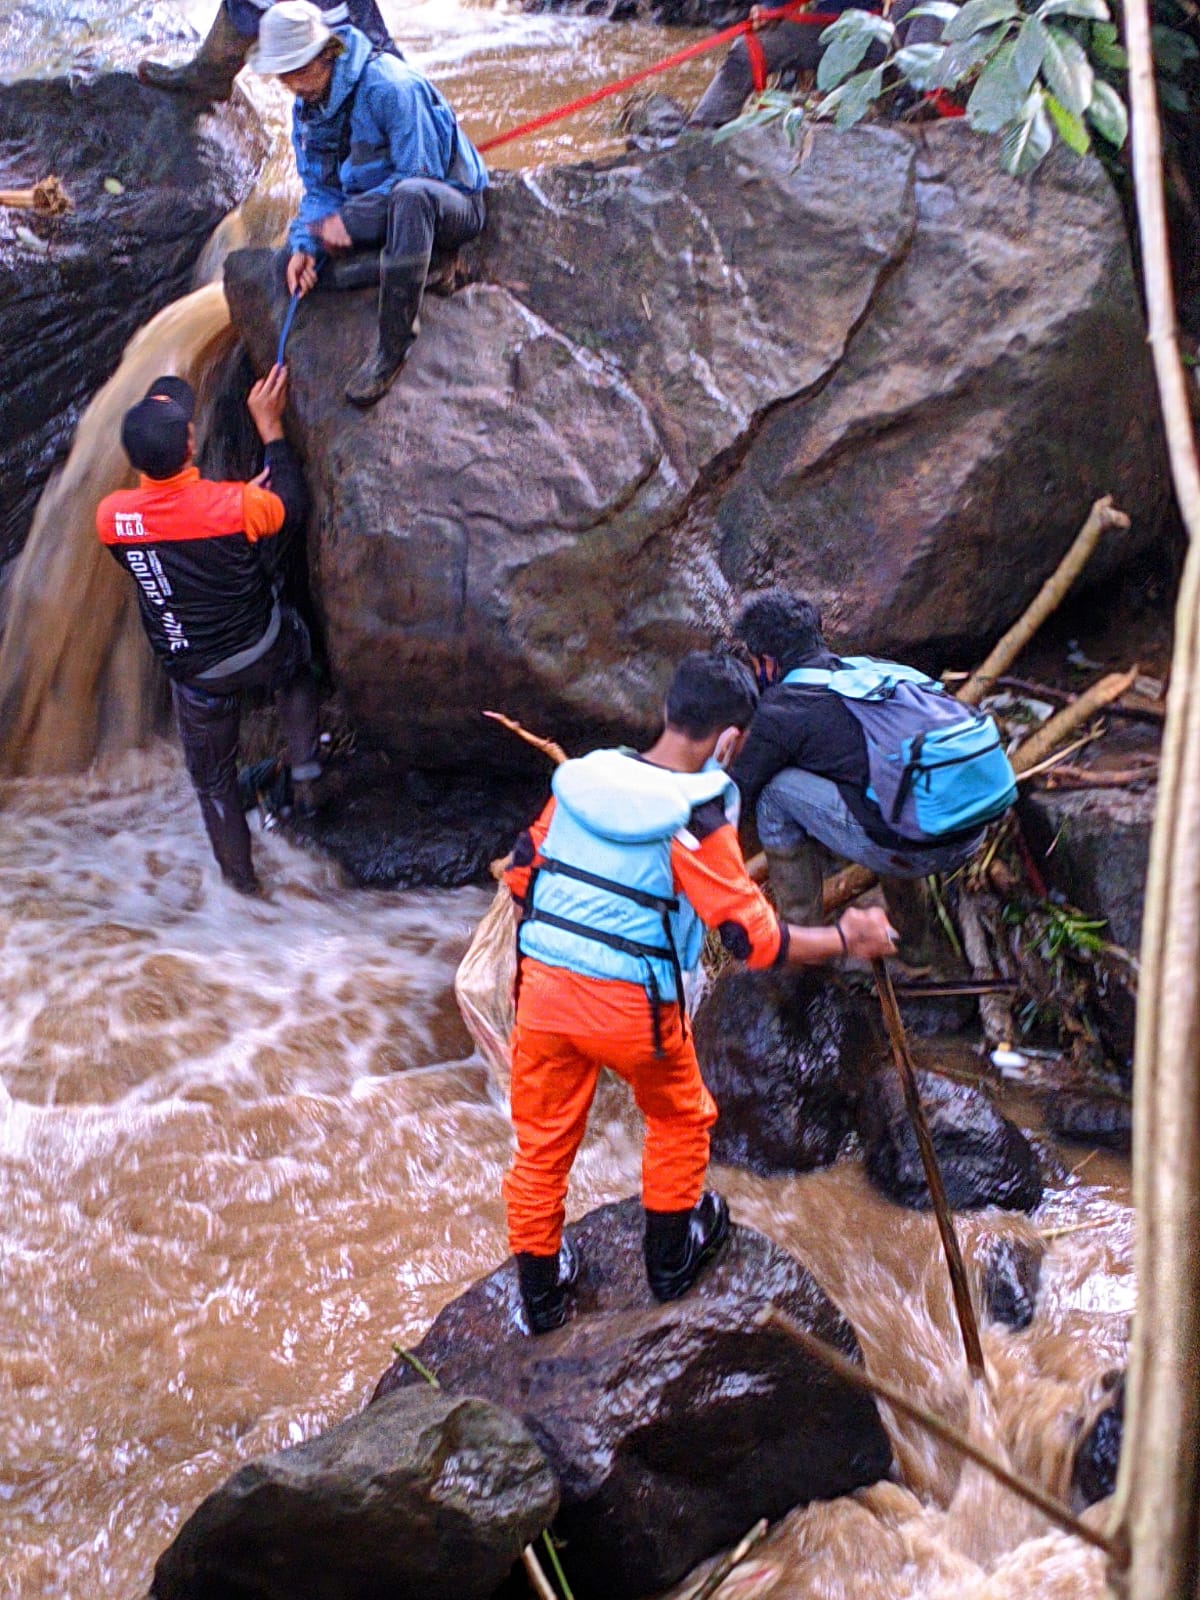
[
  {"x": 401, "y": 287},
  {"x": 797, "y": 880},
  {"x": 546, "y": 1284},
  {"x": 210, "y": 73},
  {"x": 680, "y": 1244}
]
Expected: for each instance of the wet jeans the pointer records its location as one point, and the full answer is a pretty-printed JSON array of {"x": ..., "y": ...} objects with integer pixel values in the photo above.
[
  {"x": 209, "y": 715},
  {"x": 416, "y": 219}
]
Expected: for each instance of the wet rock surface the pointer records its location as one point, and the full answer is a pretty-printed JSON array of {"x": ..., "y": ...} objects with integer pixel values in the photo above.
[
  {"x": 1090, "y": 1118},
  {"x": 672, "y": 1428},
  {"x": 786, "y": 1057},
  {"x": 75, "y": 288},
  {"x": 888, "y": 375},
  {"x": 1012, "y": 1274},
  {"x": 985, "y": 1159},
  {"x": 1101, "y": 848},
  {"x": 667, "y": 13},
  {"x": 422, "y": 1493},
  {"x": 1094, "y": 1473}
]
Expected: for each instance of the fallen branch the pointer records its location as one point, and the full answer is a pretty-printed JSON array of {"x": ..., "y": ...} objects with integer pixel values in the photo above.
[
  {"x": 1074, "y": 1227},
  {"x": 1102, "y": 516},
  {"x": 1052, "y": 762},
  {"x": 713, "y": 1581},
  {"x": 47, "y": 196},
  {"x": 1098, "y": 778},
  {"x": 542, "y": 1586},
  {"x": 959, "y": 1287},
  {"x": 850, "y": 1372},
  {"x": 1060, "y": 727},
  {"x": 548, "y": 747}
]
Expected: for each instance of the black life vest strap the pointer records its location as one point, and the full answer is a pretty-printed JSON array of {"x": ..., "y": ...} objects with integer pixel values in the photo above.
[{"x": 640, "y": 897}]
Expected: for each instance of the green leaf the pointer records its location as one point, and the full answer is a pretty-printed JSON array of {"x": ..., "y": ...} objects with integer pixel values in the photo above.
[
  {"x": 941, "y": 9},
  {"x": 1068, "y": 71},
  {"x": 961, "y": 59},
  {"x": 1030, "y": 52},
  {"x": 854, "y": 22},
  {"x": 1107, "y": 114},
  {"x": 1070, "y": 127},
  {"x": 921, "y": 64},
  {"x": 850, "y": 101},
  {"x": 1172, "y": 97},
  {"x": 1171, "y": 48},
  {"x": 843, "y": 55},
  {"x": 1027, "y": 139},
  {"x": 979, "y": 14},
  {"x": 1089, "y": 10},
  {"x": 1106, "y": 48},
  {"x": 999, "y": 95}
]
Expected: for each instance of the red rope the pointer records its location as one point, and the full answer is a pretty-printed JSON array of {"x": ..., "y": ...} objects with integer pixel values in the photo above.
[{"x": 792, "y": 11}]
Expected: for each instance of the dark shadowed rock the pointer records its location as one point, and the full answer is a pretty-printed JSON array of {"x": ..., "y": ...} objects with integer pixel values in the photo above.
[
  {"x": 672, "y": 1428},
  {"x": 1012, "y": 1273},
  {"x": 1090, "y": 1118},
  {"x": 785, "y": 1056},
  {"x": 888, "y": 375},
  {"x": 74, "y": 289},
  {"x": 667, "y": 13},
  {"x": 985, "y": 1159},
  {"x": 422, "y": 1494},
  {"x": 1094, "y": 1474},
  {"x": 1101, "y": 848}
]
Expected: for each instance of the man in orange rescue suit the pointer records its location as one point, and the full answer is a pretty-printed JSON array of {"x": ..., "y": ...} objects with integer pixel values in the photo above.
[
  {"x": 207, "y": 600},
  {"x": 633, "y": 856}
]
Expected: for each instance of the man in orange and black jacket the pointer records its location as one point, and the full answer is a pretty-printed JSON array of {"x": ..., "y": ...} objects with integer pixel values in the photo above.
[{"x": 207, "y": 601}]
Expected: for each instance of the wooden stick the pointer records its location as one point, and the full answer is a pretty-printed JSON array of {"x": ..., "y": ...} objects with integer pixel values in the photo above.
[
  {"x": 850, "y": 1372},
  {"x": 713, "y": 1581},
  {"x": 1059, "y": 755},
  {"x": 1060, "y": 726},
  {"x": 547, "y": 746},
  {"x": 1102, "y": 516},
  {"x": 47, "y": 195},
  {"x": 542, "y": 1586},
  {"x": 960, "y": 1288},
  {"x": 1100, "y": 777}
]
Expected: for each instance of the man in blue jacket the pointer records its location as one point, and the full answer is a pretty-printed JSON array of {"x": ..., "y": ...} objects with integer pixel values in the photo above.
[{"x": 383, "y": 162}]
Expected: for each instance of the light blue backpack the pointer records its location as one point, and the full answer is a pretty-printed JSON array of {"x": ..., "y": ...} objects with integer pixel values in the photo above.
[{"x": 936, "y": 766}]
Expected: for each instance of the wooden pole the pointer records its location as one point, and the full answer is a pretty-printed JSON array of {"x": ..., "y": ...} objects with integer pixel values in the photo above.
[
  {"x": 961, "y": 1289},
  {"x": 1157, "y": 1502}
]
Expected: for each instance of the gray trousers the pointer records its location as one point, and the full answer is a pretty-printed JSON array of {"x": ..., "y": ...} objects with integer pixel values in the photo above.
[{"x": 418, "y": 218}]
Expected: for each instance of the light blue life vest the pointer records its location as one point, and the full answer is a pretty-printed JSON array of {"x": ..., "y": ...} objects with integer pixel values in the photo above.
[
  {"x": 936, "y": 766},
  {"x": 602, "y": 898}
]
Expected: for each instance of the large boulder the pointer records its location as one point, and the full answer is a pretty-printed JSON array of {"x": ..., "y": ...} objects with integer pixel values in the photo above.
[
  {"x": 667, "y": 13},
  {"x": 423, "y": 1494},
  {"x": 985, "y": 1159},
  {"x": 75, "y": 288},
  {"x": 672, "y": 1428},
  {"x": 885, "y": 373},
  {"x": 786, "y": 1056},
  {"x": 1094, "y": 846}
]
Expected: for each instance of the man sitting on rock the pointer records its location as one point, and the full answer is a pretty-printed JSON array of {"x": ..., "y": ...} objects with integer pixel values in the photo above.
[
  {"x": 383, "y": 162},
  {"x": 207, "y": 601},
  {"x": 633, "y": 856},
  {"x": 805, "y": 774},
  {"x": 210, "y": 73}
]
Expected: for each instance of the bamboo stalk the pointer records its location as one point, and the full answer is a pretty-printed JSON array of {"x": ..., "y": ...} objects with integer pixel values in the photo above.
[
  {"x": 713, "y": 1580},
  {"x": 960, "y": 1288},
  {"x": 1158, "y": 1484},
  {"x": 850, "y": 1372},
  {"x": 47, "y": 195},
  {"x": 1102, "y": 516},
  {"x": 1063, "y": 723}
]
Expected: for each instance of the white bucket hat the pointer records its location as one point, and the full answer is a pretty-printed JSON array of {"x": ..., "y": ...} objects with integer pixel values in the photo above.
[{"x": 292, "y": 33}]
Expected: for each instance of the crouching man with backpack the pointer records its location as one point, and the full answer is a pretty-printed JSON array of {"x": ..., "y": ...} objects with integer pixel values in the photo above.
[
  {"x": 633, "y": 856},
  {"x": 861, "y": 760}
]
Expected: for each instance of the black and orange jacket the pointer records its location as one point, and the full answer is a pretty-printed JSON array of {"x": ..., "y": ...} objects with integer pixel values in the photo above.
[{"x": 203, "y": 589}]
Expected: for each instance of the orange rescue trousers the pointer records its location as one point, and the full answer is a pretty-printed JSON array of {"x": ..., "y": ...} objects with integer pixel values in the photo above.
[{"x": 554, "y": 1077}]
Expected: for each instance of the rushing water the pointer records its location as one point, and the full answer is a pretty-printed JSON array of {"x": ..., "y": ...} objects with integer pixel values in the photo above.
[{"x": 244, "y": 1147}]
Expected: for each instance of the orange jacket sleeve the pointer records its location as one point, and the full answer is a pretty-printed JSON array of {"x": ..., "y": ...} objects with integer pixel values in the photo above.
[
  {"x": 526, "y": 851},
  {"x": 262, "y": 512},
  {"x": 713, "y": 878}
]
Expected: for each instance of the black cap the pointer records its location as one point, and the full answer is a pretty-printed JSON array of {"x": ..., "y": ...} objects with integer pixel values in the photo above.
[
  {"x": 155, "y": 436},
  {"x": 177, "y": 389}
]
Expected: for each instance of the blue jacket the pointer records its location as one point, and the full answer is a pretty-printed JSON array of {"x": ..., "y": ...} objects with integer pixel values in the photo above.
[
  {"x": 399, "y": 127},
  {"x": 614, "y": 820}
]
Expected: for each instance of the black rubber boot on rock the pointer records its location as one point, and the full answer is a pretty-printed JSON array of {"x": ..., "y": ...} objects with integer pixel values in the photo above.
[
  {"x": 680, "y": 1244},
  {"x": 401, "y": 287},
  {"x": 210, "y": 73},
  {"x": 546, "y": 1284},
  {"x": 797, "y": 880}
]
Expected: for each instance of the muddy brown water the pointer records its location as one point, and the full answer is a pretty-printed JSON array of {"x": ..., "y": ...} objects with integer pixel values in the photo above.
[{"x": 244, "y": 1148}]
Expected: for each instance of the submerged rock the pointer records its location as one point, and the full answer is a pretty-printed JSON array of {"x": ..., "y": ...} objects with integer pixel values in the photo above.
[
  {"x": 672, "y": 1428},
  {"x": 985, "y": 1159},
  {"x": 75, "y": 288},
  {"x": 421, "y": 1494},
  {"x": 786, "y": 1056},
  {"x": 682, "y": 375},
  {"x": 1012, "y": 1274},
  {"x": 1094, "y": 1473}
]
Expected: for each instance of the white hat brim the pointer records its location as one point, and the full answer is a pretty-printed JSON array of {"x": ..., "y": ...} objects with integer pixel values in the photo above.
[{"x": 268, "y": 66}]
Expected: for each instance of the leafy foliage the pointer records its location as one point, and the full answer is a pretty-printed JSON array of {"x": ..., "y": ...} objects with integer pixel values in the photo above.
[{"x": 1028, "y": 76}]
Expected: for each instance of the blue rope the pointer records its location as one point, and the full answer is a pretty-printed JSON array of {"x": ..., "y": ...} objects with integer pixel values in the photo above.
[{"x": 287, "y": 327}]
